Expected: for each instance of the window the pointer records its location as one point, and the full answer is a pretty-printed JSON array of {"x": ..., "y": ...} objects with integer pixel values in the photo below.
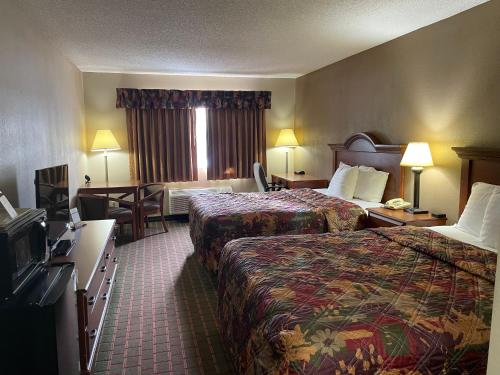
[{"x": 201, "y": 139}]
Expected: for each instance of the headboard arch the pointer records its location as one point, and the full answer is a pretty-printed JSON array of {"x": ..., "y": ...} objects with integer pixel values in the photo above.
[
  {"x": 478, "y": 165},
  {"x": 366, "y": 149}
]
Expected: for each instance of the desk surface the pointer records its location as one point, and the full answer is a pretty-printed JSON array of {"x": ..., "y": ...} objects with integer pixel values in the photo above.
[
  {"x": 297, "y": 177},
  {"x": 111, "y": 185},
  {"x": 91, "y": 240}
]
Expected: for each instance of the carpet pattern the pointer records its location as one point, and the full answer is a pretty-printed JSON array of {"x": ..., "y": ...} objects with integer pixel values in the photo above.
[{"x": 162, "y": 313}]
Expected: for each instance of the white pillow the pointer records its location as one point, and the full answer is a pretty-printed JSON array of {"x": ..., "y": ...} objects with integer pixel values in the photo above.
[
  {"x": 343, "y": 182},
  {"x": 366, "y": 169},
  {"x": 371, "y": 184},
  {"x": 490, "y": 231},
  {"x": 473, "y": 215}
]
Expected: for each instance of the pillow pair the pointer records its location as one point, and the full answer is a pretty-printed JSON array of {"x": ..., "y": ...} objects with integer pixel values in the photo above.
[
  {"x": 481, "y": 216},
  {"x": 362, "y": 182}
]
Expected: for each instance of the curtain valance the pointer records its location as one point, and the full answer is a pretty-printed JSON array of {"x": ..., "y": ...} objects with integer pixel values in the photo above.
[{"x": 182, "y": 99}]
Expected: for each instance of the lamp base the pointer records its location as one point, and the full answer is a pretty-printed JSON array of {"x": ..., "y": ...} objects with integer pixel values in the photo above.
[{"x": 415, "y": 211}]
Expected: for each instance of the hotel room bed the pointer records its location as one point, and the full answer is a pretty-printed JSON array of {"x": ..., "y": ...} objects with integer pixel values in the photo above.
[
  {"x": 394, "y": 299},
  {"x": 216, "y": 219}
]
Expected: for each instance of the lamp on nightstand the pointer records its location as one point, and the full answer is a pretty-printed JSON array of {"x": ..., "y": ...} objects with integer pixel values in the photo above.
[
  {"x": 105, "y": 141},
  {"x": 417, "y": 156},
  {"x": 287, "y": 139}
]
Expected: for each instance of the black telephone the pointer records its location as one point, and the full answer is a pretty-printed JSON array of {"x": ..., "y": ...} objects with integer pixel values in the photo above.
[{"x": 299, "y": 172}]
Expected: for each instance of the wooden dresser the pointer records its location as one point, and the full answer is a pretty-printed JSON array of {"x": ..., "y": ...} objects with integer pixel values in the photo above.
[{"x": 96, "y": 265}]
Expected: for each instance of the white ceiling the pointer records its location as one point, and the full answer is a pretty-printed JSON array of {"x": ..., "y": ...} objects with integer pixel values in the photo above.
[{"x": 279, "y": 38}]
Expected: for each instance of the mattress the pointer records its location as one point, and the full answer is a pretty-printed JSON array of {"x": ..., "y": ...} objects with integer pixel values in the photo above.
[{"x": 361, "y": 203}]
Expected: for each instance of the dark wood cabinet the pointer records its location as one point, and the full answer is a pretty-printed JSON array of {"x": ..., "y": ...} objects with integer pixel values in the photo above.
[
  {"x": 39, "y": 326},
  {"x": 96, "y": 264}
]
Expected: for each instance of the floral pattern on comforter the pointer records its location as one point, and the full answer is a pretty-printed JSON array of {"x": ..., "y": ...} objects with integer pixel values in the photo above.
[
  {"x": 400, "y": 300},
  {"x": 216, "y": 219}
]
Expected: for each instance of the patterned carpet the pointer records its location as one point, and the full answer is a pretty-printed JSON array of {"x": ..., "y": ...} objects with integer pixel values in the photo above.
[{"x": 162, "y": 314}]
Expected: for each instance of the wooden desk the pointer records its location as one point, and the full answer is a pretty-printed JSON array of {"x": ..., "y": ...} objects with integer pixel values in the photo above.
[
  {"x": 384, "y": 217},
  {"x": 95, "y": 264},
  {"x": 124, "y": 187},
  {"x": 130, "y": 186},
  {"x": 295, "y": 181}
]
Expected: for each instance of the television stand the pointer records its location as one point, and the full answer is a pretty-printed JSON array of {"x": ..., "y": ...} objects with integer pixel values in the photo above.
[{"x": 96, "y": 265}]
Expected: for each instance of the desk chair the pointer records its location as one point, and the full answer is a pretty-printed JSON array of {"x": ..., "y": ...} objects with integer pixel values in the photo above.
[{"x": 260, "y": 178}]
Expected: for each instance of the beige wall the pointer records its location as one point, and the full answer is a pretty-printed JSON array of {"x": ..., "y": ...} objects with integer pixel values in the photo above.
[
  {"x": 438, "y": 84},
  {"x": 41, "y": 108},
  {"x": 100, "y": 99}
]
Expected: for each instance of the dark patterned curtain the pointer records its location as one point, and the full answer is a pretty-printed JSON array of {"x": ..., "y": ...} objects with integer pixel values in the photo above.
[
  {"x": 181, "y": 99},
  {"x": 162, "y": 144},
  {"x": 161, "y": 127},
  {"x": 235, "y": 140}
]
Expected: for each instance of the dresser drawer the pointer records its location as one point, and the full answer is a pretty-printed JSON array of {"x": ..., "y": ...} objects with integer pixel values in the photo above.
[
  {"x": 96, "y": 317},
  {"x": 98, "y": 279}
]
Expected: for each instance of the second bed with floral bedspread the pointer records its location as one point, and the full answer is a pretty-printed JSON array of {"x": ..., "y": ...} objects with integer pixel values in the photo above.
[
  {"x": 382, "y": 301},
  {"x": 216, "y": 219}
]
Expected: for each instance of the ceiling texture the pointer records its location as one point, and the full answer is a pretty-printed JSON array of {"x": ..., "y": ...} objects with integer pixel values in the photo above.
[{"x": 270, "y": 38}]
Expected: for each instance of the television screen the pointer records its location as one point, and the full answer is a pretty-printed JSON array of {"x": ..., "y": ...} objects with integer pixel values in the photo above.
[{"x": 52, "y": 194}]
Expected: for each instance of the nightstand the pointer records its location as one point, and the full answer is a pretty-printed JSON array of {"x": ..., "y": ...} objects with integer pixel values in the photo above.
[
  {"x": 384, "y": 217},
  {"x": 296, "y": 181}
]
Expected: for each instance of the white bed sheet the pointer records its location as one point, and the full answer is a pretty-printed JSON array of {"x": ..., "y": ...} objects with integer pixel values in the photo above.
[
  {"x": 363, "y": 204},
  {"x": 454, "y": 232}
]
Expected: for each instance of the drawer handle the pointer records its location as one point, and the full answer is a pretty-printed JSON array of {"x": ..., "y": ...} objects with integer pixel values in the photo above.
[
  {"x": 91, "y": 300},
  {"x": 103, "y": 269},
  {"x": 108, "y": 255},
  {"x": 108, "y": 280},
  {"x": 93, "y": 334},
  {"x": 115, "y": 259},
  {"x": 105, "y": 296}
]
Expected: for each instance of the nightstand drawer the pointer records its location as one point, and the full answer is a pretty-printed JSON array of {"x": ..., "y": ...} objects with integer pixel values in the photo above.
[{"x": 375, "y": 221}]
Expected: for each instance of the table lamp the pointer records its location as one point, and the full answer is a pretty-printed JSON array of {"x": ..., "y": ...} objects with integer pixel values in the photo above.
[
  {"x": 105, "y": 141},
  {"x": 287, "y": 139},
  {"x": 417, "y": 156}
]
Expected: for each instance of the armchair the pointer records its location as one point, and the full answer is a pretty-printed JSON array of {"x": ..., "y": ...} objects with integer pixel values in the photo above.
[{"x": 96, "y": 207}]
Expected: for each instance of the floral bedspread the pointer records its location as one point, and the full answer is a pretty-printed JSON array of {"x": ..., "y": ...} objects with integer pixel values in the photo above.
[
  {"x": 216, "y": 219},
  {"x": 399, "y": 300}
]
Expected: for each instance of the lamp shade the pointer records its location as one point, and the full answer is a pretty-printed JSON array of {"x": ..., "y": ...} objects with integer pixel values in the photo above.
[
  {"x": 286, "y": 138},
  {"x": 417, "y": 154},
  {"x": 105, "y": 141}
]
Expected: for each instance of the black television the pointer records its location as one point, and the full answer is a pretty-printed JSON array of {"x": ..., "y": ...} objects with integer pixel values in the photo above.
[{"x": 52, "y": 194}]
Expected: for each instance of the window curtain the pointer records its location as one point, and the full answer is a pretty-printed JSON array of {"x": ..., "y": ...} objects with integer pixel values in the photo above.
[
  {"x": 162, "y": 144},
  {"x": 236, "y": 138},
  {"x": 161, "y": 128}
]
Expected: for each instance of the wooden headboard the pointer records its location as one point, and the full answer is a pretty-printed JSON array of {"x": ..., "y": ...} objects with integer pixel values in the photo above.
[
  {"x": 365, "y": 149},
  {"x": 478, "y": 165}
]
